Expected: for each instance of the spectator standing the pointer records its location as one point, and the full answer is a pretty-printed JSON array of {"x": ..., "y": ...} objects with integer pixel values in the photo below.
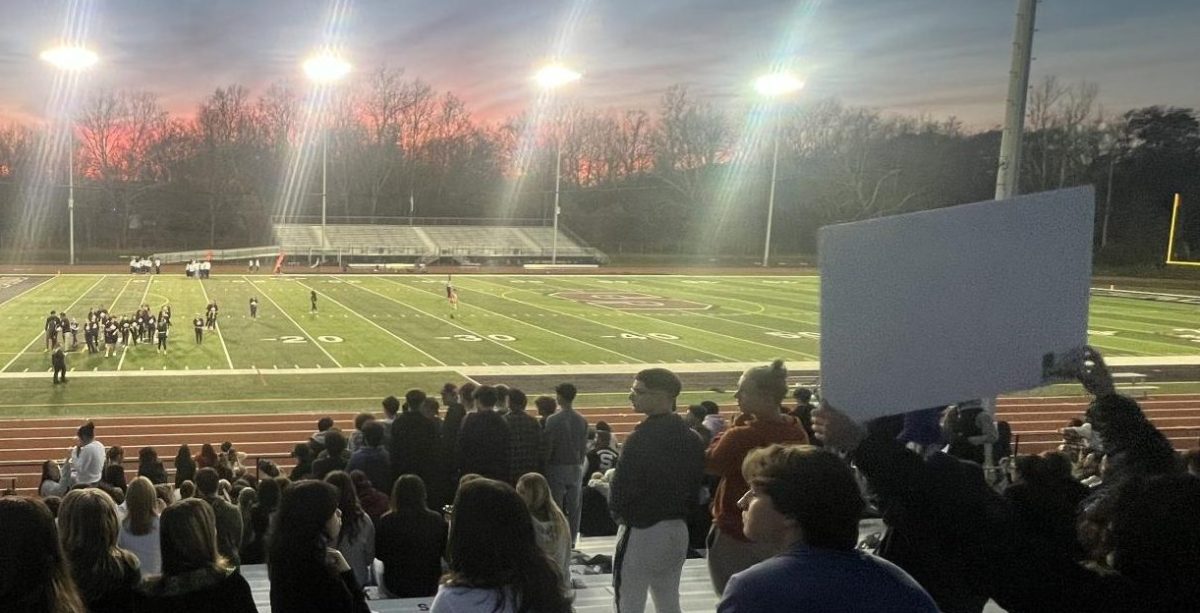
[
  {"x": 565, "y": 439},
  {"x": 185, "y": 466},
  {"x": 87, "y": 456},
  {"x": 524, "y": 440},
  {"x": 374, "y": 502},
  {"x": 410, "y": 542},
  {"x": 760, "y": 392},
  {"x": 334, "y": 457},
  {"x": 414, "y": 447},
  {"x": 150, "y": 467},
  {"x": 655, "y": 486},
  {"x": 483, "y": 439},
  {"x": 372, "y": 458}
]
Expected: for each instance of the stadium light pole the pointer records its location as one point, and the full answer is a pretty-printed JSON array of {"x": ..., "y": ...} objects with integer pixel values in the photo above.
[
  {"x": 551, "y": 78},
  {"x": 70, "y": 59},
  {"x": 325, "y": 68},
  {"x": 774, "y": 86}
]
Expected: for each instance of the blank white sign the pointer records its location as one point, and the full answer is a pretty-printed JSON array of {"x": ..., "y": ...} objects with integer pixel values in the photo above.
[{"x": 937, "y": 307}]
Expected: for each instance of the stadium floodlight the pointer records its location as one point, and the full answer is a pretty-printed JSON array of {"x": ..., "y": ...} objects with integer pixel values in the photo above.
[
  {"x": 772, "y": 86},
  {"x": 556, "y": 75},
  {"x": 325, "y": 68},
  {"x": 71, "y": 58},
  {"x": 552, "y": 77},
  {"x": 777, "y": 84}
]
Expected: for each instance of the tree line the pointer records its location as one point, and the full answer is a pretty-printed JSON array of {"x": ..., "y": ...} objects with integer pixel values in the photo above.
[{"x": 689, "y": 176}]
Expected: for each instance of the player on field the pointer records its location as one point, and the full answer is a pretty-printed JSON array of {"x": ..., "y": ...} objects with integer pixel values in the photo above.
[
  {"x": 162, "y": 336},
  {"x": 312, "y": 296},
  {"x": 51, "y": 329},
  {"x": 452, "y": 297},
  {"x": 253, "y": 308},
  {"x": 110, "y": 338}
]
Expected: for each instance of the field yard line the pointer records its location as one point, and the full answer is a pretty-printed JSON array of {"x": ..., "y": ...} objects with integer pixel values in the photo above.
[
  {"x": 504, "y": 296},
  {"x": 483, "y": 336},
  {"x": 533, "y": 325},
  {"x": 743, "y": 340},
  {"x": 29, "y": 291},
  {"x": 217, "y": 326},
  {"x": 266, "y": 294},
  {"x": 1178, "y": 345},
  {"x": 40, "y": 334},
  {"x": 368, "y": 320},
  {"x": 761, "y": 311},
  {"x": 125, "y": 349}
]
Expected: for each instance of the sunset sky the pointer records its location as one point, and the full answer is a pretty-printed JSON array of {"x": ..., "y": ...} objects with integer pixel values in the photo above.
[{"x": 941, "y": 57}]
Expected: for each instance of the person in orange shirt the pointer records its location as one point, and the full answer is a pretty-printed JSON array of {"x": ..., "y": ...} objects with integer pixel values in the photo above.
[{"x": 760, "y": 394}]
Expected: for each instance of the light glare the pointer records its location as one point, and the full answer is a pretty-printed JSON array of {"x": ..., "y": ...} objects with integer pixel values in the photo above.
[
  {"x": 326, "y": 68},
  {"x": 777, "y": 84},
  {"x": 70, "y": 58},
  {"x": 556, "y": 75}
]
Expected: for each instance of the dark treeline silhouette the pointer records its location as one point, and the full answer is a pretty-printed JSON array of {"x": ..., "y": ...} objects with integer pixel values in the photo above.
[{"x": 147, "y": 180}]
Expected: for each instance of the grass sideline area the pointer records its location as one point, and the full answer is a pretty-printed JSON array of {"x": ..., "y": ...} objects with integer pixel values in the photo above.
[{"x": 376, "y": 335}]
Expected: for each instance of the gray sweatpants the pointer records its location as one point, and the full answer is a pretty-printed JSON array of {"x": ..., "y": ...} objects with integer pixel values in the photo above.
[{"x": 649, "y": 559}]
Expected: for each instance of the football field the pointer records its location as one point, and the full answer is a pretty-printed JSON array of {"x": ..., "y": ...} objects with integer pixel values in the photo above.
[{"x": 371, "y": 331}]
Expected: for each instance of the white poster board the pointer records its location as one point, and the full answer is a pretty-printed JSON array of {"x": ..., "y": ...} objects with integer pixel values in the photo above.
[{"x": 937, "y": 307}]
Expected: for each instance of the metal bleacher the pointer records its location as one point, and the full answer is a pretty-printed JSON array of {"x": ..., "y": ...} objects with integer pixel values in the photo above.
[{"x": 428, "y": 243}]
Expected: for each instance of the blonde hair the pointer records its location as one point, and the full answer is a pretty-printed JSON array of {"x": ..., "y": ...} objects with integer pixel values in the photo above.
[
  {"x": 770, "y": 380},
  {"x": 141, "y": 502},
  {"x": 535, "y": 491},
  {"x": 88, "y": 530}
]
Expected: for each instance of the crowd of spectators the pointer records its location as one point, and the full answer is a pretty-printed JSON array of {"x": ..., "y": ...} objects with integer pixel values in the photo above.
[{"x": 480, "y": 508}]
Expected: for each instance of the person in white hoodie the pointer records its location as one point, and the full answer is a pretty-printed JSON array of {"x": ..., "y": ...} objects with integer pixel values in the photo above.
[{"x": 87, "y": 457}]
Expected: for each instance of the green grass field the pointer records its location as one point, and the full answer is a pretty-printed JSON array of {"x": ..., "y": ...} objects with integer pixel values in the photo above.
[{"x": 376, "y": 335}]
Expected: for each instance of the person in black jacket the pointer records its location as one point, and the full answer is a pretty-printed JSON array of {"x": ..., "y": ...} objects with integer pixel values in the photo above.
[
  {"x": 306, "y": 575},
  {"x": 483, "y": 439},
  {"x": 655, "y": 487},
  {"x": 195, "y": 577},
  {"x": 58, "y": 360}
]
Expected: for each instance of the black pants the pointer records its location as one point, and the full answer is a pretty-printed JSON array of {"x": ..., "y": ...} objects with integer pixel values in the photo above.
[
  {"x": 91, "y": 343},
  {"x": 162, "y": 342},
  {"x": 60, "y": 374},
  {"x": 199, "y": 335}
]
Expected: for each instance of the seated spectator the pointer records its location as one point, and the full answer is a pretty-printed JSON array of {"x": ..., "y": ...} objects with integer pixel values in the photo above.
[
  {"x": 254, "y": 546},
  {"x": 207, "y": 458},
  {"x": 317, "y": 440},
  {"x": 495, "y": 562},
  {"x": 334, "y": 457},
  {"x": 804, "y": 408},
  {"x": 150, "y": 467},
  {"x": 229, "y": 519},
  {"x": 713, "y": 420},
  {"x": 602, "y": 457},
  {"x": 52, "y": 483},
  {"x": 267, "y": 468},
  {"x": 372, "y": 457},
  {"x": 971, "y": 432},
  {"x": 760, "y": 394},
  {"x": 549, "y": 524},
  {"x": 1046, "y": 497},
  {"x": 304, "y": 459},
  {"x": 187, "y": 489},
  {"x": 234, "y": 458},
  {"x": 356, "y": 539},
  {"x": 195, "y": 578},
  {"x": 52, "y": 503},
  {"x": 247, "y": 497},
  {"x": 114, "y": 475},
  {"x": 185, "y": 466},
  {"x": 356, "y": 437},
  {"x": 105, "y": 574},
  {"x": 410, "y": 542},
  {"x": 306, "y": 575},
  {"x": 374, "y": 502},
  {"x": 114, "y": 456},
  {"x": 1191, "y": 461},
  {"x": 140, "y": 528},
  {"x": 596, "y": 519},
  {"x": 807, "y": 502},
  {"x": 40, "y": 583},
  {"x": 694, "y": 418}
]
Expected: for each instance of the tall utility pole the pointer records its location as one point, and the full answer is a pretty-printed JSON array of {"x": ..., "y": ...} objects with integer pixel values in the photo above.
[{"x": 1008, "y": 174}]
